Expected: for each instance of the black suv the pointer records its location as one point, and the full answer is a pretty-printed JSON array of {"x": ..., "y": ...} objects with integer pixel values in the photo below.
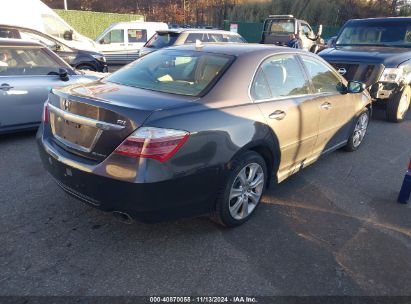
[
  {"x": 78, "y": 59},
  {"x": 377, "y": 52}
]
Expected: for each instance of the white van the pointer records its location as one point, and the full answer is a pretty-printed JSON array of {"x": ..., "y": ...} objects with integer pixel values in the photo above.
[
  {"x": 35, "y": 15},
  {"x": 121, "y": 42}
]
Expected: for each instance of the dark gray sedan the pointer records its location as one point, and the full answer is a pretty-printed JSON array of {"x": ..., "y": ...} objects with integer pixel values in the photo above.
[
  {"x": 28, "y": 70},
  {"x": 198, "y": 130}
]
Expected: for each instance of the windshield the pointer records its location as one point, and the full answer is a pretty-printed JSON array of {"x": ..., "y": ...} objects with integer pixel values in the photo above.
[
  {"x": 280, "y": 26},
  {"x": 388, "y": 33},
  {"x": 178, "y": 72},
  {"x": 54, "y": 26},
  {"x": 160, "y": 40}
]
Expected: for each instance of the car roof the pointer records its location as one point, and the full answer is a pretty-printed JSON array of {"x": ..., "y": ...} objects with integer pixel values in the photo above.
[
  {"x": 19, "y": 42},
  {"x": 188, "y": 30},
  {"x": 382, "y": 19},
  {"x": 234, "y": 49}
]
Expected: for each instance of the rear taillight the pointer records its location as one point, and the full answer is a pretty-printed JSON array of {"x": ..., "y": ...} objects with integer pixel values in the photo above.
[
  {"x": 46, "y": 116},
  {"x": 156, "y": 143}
]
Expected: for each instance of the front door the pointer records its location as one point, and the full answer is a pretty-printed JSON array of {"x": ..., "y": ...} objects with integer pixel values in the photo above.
[
  {"x": 113, "y": 46},
  {"x": 282, "y": 92},
  {"x": 307, "y": 37},
  {"x": 337, "y": 110}
]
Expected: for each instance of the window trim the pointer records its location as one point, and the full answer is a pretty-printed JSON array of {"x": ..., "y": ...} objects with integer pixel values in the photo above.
[{"x": 303, "y": 69}]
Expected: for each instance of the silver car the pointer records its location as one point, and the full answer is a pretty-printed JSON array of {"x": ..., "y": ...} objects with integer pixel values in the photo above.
[{"x": 28, "y": 71}]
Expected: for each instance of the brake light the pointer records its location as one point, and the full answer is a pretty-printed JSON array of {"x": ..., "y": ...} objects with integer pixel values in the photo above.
[
  {"x": 409, "y": 166},
  {"x": 45, "y": 117},
  {"x": 156, "y": 143}
]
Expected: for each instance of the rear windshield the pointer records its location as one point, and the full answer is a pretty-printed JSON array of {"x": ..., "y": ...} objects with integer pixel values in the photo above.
[
  {"x": 390, "y": 33},
  {"x": 161, "y": 40},
  {"x": 280, "y": 26},
  {"x": 178, "y": 72}
]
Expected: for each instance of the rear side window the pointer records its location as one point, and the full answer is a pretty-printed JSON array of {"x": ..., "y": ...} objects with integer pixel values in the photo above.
[
  {"x": 279, "y": 76},
  {"x": 161, "y": 40},
  {"x": 137, "y": 35},
  {"x": 193, "y": 37},
  {"x": 323, "y": 78},
  {"x": 177, "y": 72},
  {"x": 225, "y": 38},
  {"x": 24, "y": 61}
]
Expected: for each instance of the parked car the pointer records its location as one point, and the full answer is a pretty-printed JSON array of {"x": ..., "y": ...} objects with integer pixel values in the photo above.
[
  {"x": 121, "y": 42},
  {"x": 27, "y": 72},
  {"x": 188, "y": 130},
  {"x": 79, "y": 59},
  {"x": 377, "y": 52},
  {"x": 173, "y": 37},
  {"x": 36, "y": 15},
  {"x": 278, "y": 28}
]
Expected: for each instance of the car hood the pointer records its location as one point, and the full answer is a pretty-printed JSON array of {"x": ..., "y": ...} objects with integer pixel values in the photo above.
[
  {"x": 388, "y": 56},
  {"x": 126, "y": 96}
]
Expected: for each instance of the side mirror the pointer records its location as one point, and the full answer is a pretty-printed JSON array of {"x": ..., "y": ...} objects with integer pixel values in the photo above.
[
  {"x": 320, "y": 30},
  {"x": 68, "y": 35},
  {"x": 63, "y": 74},
  {"x": 355, "y": 87}
]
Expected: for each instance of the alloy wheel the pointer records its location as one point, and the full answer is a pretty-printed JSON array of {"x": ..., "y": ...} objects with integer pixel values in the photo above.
[
  {"x": 246, "y": 191},
  {"x": 360, "y": 129}
]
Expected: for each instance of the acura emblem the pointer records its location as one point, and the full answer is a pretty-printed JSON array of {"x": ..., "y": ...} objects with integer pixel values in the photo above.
[{"x": 342, "y": 71}]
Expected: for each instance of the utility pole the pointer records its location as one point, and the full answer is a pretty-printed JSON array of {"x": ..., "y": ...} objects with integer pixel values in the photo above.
[{"x": 65, "y": 4}]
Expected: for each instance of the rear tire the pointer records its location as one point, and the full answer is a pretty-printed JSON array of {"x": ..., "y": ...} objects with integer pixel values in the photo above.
[
  {"x": 358, "y": 132},
  {"x": 241, "y": 193},
  {"x": 398, "y": 105}
]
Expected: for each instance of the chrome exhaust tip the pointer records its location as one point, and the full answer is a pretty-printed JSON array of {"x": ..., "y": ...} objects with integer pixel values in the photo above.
[{"x": 123, "y": 217}]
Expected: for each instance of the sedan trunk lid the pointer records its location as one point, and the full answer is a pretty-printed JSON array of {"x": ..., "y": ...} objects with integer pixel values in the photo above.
[{"x": 91, "y": 120}]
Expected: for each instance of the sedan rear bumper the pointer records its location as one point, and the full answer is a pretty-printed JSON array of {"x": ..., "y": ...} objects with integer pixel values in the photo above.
[{"x": 184, "y": 196}]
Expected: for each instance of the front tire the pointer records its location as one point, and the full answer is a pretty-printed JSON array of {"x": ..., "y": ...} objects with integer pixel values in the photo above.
[
  {"x": 241, "y": 194},
  {"x": 398, "y": 105},
  {"x": 358, "y": 132}
]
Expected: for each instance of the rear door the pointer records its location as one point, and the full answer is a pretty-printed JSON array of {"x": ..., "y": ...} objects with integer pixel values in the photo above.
[
  {"x": 282, "y": 92},
  {"x": 26, "y": 76},
  {"x": 136, "y": 38},
  {"x": 336, "y": 109}
]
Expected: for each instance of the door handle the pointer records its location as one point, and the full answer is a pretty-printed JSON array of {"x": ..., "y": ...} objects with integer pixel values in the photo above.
[
  {"x": 279, "y": 115},
  {"x": 5, "y": 87},
  {"x": 326, "y": 106}
]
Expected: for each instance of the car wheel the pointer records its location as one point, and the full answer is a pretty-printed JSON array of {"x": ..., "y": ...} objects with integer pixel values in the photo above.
[
  {"x": 86, "y": 67},
  {"x": 359, "y": 131},
  {"x": 398, "y": 105},
  {"x": 239, "y": 197}
]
